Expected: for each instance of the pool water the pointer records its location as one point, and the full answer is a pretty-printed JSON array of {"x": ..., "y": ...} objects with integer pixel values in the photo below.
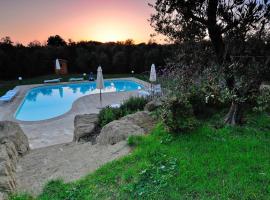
[{"x": 47, "y": 102}]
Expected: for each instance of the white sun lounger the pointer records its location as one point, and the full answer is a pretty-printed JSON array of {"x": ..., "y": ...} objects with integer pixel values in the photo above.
[
  {"x": 75, "y": 79},
  {"x": 57, "y": 80},
  {"x": 155, "y": 90},
  {"x": 116, "y": 105},
  {"x": 143, "y": 93},
  {"x": 9, "y": 95}
]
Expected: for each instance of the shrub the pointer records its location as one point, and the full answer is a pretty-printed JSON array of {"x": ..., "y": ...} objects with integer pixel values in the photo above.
[
  {"x": 107, "y": 115},
  {"x": 177, "y": 115},
  {"x": 133, "y": 104},
  {"x": 130, "y": 106},
  {"x": 263, "y": 101}
]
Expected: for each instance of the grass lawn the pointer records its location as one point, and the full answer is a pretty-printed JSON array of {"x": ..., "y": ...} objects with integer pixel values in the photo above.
[
  {"x": 7, "y": 85},
  {"x": 210, "y": 163}
]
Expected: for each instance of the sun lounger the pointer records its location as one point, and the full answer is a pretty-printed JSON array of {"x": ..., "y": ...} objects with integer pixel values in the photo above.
[
  {"x": 75, "y": 79},
  {"x": 9, "y": 95},
  {"x": 57, "y": 80},
  {"x": 91, "y": 77},
  {"x": 157, "y": 89},
  {"x": 154, "y": 91},
  {"x": 143, "y": 93},
  {"x": 116, "y": 105}
]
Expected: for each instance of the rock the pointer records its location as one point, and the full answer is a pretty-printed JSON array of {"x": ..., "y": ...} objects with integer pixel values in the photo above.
[
  {"x": 152, "y": 105},
  {"x": 142, "y": 119},
  {"x": 139, "y": 123},
  {"x": 7, "y": 184},
  {"x": 117, "y": 131},
  {"x": 13, "y": 142},
  {"x": 85, "y": 127},
  {"x": 8, "y": 159},
  {"x": 3, "y": 196},
  {"x": 13, "y": 132},
  {"x": 265, "y": 86}
]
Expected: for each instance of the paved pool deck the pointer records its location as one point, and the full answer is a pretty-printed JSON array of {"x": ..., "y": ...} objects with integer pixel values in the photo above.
[{"x": 60, "y": 129}]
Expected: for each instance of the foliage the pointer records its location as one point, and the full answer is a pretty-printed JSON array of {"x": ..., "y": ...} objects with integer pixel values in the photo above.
[
  {"x": 263, "y": 101},
  {"x": 212, "y": 163},
  {"x": 194, "y": 20},
  {"x": 134, "y": 140},
  {"x": 178, "y": 115},
  {"x": 108, "y": 114},
  {"x": 232, "y": 26},
  {"x": 131, "y": 105},
  {"x": 56, "y": 41},
  {"x": 82, "y": 57}
]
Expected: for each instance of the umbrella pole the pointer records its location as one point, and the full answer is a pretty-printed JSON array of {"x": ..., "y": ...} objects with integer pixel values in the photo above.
[
  {"x": 152, "y": 92},
  {"x": 100, "y": 97}
]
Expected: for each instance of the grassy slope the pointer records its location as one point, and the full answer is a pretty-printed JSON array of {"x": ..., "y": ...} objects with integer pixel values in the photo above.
[
  {"x": 224, "y": 163},
  {"x": 7, "y": 85}
]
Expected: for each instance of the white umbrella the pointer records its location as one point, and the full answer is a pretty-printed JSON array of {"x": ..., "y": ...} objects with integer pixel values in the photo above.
[
  {"x": 100, "y": 82},
  {"x": 153, "y": 76},
  {"x": 57, "y": 65}
]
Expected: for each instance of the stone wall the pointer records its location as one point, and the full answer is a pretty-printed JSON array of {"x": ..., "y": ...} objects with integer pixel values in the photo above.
[{"x": 13, "y": 143}]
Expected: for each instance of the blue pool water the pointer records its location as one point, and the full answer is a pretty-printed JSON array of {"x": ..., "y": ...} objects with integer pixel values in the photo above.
[{"x": 47, "y": 102}]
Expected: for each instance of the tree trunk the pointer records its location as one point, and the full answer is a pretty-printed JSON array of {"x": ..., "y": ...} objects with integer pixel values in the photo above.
[
  {"x": 234, "y": 115},
  {"x": 214, "y": 30}
]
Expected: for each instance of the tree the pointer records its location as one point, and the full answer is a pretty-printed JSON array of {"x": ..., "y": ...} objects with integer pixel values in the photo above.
[
  {"x": 34, "y": 43},
  {"x": 56, "y": 41},
  {"x": 220, "y": 21},
  {"x": 120, "y": 62},
  {"x": 6, "y": 41},
  {"x": 182, "y": 20}
]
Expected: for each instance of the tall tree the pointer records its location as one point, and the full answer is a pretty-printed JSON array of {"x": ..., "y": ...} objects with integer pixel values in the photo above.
[
  {"x": 56, "y": 41},
  {"x": 196, "y": 20}
]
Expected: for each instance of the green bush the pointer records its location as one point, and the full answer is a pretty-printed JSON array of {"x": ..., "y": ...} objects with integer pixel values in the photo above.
[
  {"x": 108, "y": 114},
  {"x": 177, "y": 115},
  {"x": 133, "y": 104},
  {"x": 130, "y": 106},
  {"x": 263, "y": 101}
]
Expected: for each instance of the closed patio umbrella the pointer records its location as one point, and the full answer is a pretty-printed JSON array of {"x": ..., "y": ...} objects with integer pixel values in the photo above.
[
  {"x": 57, "y": 65},
  {"x": 100, "y": 82},
  {"x": 153, "y": 76}
]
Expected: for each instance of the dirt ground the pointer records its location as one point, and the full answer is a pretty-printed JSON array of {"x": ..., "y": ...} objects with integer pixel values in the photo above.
[{"x": 67, "y": 161}]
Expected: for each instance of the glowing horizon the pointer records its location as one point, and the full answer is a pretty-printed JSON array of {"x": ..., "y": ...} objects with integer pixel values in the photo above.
[{"x": 102, "y": 20}]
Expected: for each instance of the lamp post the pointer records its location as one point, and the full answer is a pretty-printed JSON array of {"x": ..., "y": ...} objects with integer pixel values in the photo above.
[{"x": 20, "y": 80}]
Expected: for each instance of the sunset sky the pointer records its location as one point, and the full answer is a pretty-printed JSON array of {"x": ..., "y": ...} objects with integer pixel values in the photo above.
[{"x": 101, "y": 20}]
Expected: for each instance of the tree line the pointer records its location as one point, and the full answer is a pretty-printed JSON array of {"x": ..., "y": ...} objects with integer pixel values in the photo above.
[{"x": 36, "y": 59}]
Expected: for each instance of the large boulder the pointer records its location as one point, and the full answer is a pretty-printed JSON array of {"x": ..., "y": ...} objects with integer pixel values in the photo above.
[
  {"x": 142, "y": 119},
  {"x": 86, "y": 127},
  {"x": 139, "y": 123},
  {"x": 152, "y": 105},
  {"x": 13, "y": 143},
  {"x": 13, "y": 132}
]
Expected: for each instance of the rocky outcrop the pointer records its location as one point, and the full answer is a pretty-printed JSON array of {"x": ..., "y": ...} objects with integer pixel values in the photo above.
[
  {"x": 142, "y": 119},
  {"x": 135, "y": 124},
  {"x": 86, "y": 127},
  {"x": 13, "y": 132},
  {"x": 152, "y": 105},
  {"x": 13, "y": 143}
]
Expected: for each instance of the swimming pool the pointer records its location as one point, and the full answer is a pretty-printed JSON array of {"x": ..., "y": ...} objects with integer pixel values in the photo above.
[{"x": 47, "y": 102}]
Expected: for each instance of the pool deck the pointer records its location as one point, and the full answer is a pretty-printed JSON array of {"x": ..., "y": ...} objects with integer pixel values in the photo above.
[{"x": 60, "y": 129}]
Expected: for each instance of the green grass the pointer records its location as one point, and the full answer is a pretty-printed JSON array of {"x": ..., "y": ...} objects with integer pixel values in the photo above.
[
  {"x": 210, "y": 163},
  {"x": 7, "y": 85}
]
